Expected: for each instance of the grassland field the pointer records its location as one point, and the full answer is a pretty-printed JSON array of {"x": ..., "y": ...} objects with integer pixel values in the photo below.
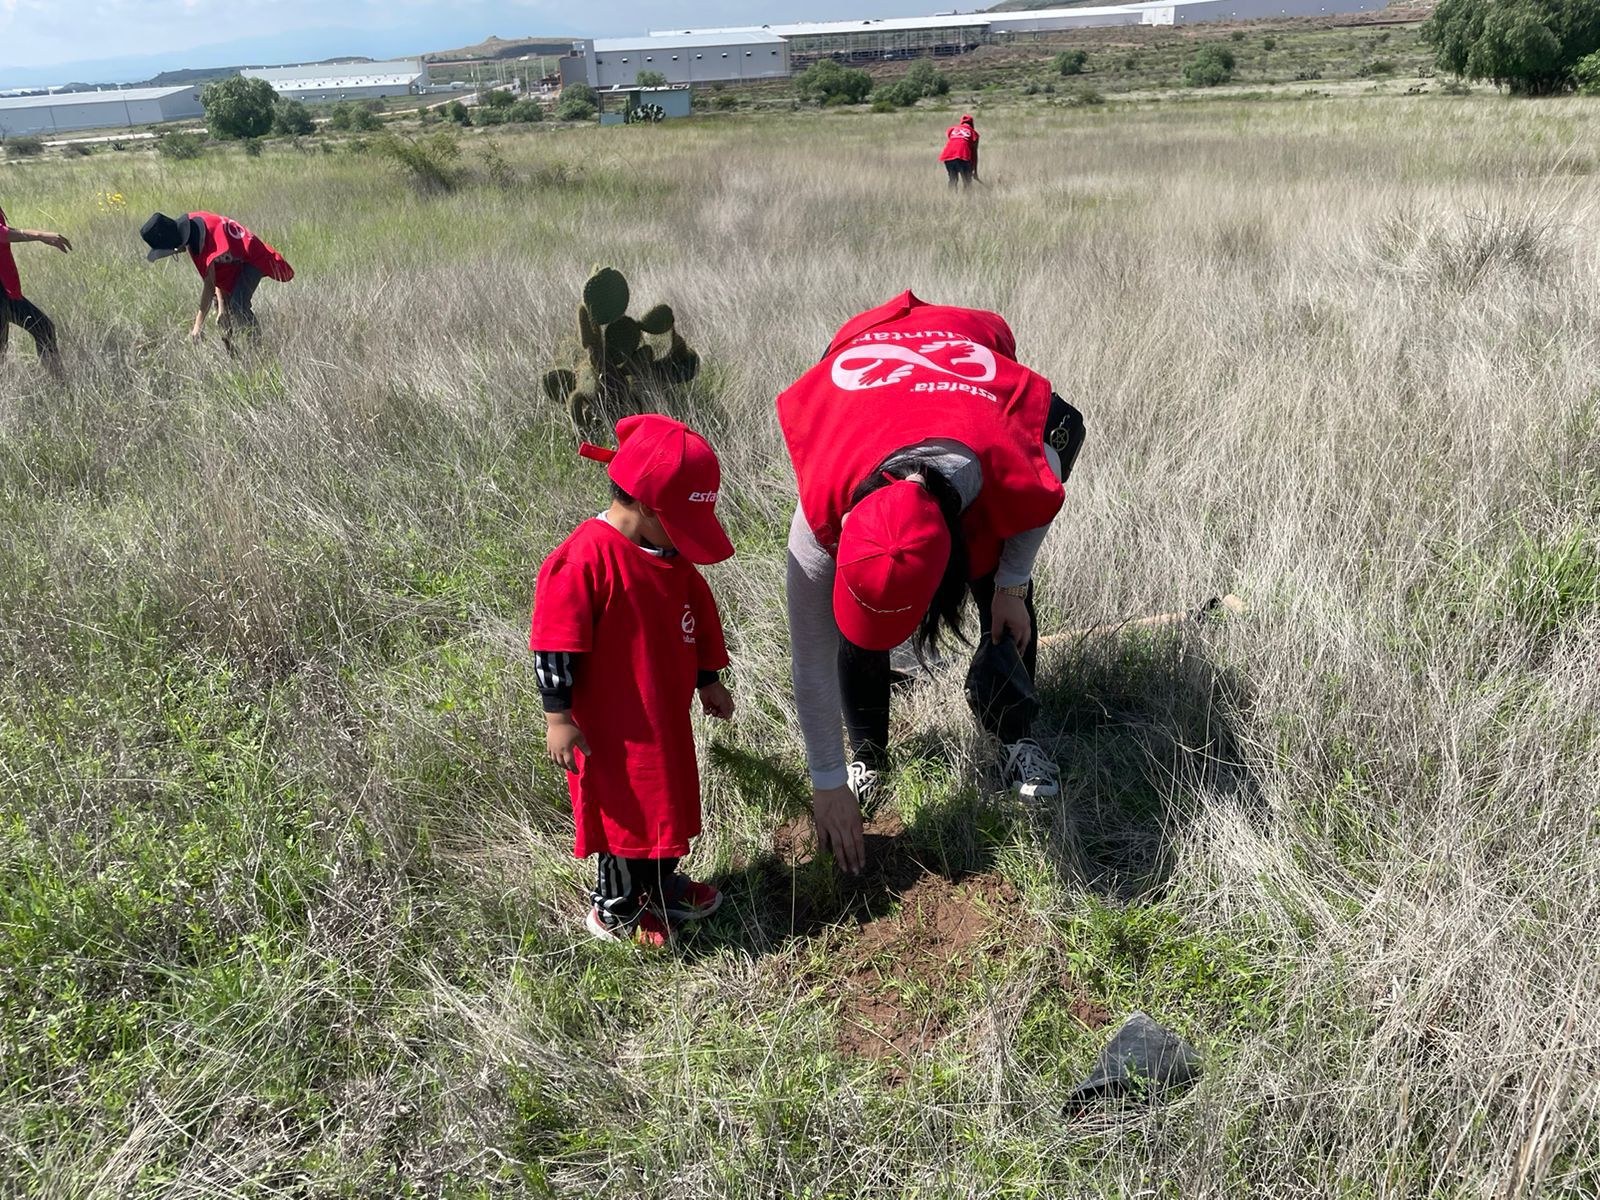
[{"x": 287, "y": 906}]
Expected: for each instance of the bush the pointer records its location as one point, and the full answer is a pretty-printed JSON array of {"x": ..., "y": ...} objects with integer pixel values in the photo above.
[
  {"x": 1378, "y": 66},
  {"x": 1269, "y": 43},
  {"x": 490, "y": 116},
  {"x": 724, "y": 102},
  {"x": 432, "y": 162},
  {"x": 251, "y": 147},
  {"x": 78, "y": 149},
  {"x": 238, "y": 107},
  {"x": 1237, "y": 35},
  {"x": 650, "y": 79},
  {"x": 1531, "y": 46},
  {"x": 578, "y": 103},
  {"x": 1586, "y": 74},
  {"x": 496, "y": 98},
  {"x": 827, "y": 81},
  {"x": 1071, "y": 62},
  {"x": 457, "y": 112},
  {"x": 24, "y": 147},
  {"x": 926, "y": 79},
  {"x": 526, "y": 111},
  {"x": 348, "y": 117},
  {"x": 1210, "y": 66},
  {"x": 181, "y": 146},
  {"x": 291, "y": 118},
  {"x": 1085, "y": 95}
]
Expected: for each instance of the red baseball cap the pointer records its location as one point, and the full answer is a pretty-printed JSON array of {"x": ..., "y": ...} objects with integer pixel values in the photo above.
[
  {"x": 893, "y": 550},
  {"x": 668, "y": 466}
]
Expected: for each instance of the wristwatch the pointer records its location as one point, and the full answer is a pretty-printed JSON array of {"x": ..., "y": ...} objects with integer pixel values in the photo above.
[{"x": 1019, "y": 590}]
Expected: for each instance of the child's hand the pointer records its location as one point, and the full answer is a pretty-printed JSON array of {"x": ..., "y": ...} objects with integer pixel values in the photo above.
[
  {"x": 563, "y": 739},
  {"x": 716, "y": 701}
]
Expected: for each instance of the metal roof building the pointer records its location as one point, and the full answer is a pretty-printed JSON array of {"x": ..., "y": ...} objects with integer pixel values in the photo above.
[
  {"x": 322, "y": 83},
  {"x": 957, "y": 33},
  {"x": 724, "y": 55},
  {"x": 72, "y": 112}
]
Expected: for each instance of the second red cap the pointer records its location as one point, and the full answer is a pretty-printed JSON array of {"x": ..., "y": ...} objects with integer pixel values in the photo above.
[{"x": 669, "y": 467}]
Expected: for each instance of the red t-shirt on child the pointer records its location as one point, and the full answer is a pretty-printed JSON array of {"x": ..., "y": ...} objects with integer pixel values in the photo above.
[
  {"x": 10, "y": 281},
  {"x": 646, "y": 626}
]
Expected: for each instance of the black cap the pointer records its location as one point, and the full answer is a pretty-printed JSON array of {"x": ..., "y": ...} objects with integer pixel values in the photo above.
[{"x": 166, "y": 236}]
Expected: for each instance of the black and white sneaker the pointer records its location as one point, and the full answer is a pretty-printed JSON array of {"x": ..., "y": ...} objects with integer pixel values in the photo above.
[
  {"x": 1031, "y": 772},
  {"x": 863, "y": 785}
]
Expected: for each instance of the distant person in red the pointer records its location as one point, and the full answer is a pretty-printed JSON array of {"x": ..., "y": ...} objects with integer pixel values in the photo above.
[
  {"x": 960, "y": 155},
  {"x": 625, "y": 632},
  {"x": 15, "y": 309},
  {"x": 231, "y": 261}
]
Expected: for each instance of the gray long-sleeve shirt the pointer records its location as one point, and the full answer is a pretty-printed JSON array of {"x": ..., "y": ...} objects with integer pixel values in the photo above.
[{"x": 814, "y": 635}]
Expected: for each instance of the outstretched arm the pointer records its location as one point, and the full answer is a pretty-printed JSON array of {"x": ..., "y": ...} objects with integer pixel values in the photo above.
[
  {"x": 208, "y": 294},
  {"x": 56, "y": 240}
]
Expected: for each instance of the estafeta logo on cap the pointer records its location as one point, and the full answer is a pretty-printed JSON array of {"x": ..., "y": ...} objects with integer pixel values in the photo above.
[{"x": 703, "y": 497}]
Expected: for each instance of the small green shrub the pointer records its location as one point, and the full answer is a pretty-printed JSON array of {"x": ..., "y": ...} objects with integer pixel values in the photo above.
[
  {"x": 239, "y": 107},
  {"x": 1269, "y": 43},
  {"x": 1083, "y": 95},
  {"x": 526, "y": 112},
  {"x": 432, "y": 163},
  {"x": 78, "y": 149},
  {"x": 724, "y": 102},
  {"x": 251, "y": 147},
  {"x": 27, "y": 146},
  {"x": 1071, "y": 62},
  {"x": 650, "y": 79},
  {"x": 490, "y": 116},
  {"x": 457, "y": 112},
  {"x": 1237, "y": 35},
  {"x": 1210, "y": 66},
  {"x": 831, "y": 83},
  {"x": 1378, "y": 66},
  {"x": 291, "y": 118},
  {"x": 181, "y": 146},
  {"x": 496, "y": 98},
  {"x": 579, "y": 102}
]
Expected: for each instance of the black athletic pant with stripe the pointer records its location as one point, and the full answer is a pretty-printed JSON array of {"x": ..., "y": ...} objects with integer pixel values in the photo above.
[
  {"x": 25, "y": 314},
  {"x": 622, "y": 884}
]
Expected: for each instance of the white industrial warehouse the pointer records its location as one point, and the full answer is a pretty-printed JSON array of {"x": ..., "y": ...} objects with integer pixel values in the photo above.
[
  {"x": 72, "y": 112},
  {"x": 958, "y": 33},
  {"x": 323, "y": 83},
  {"x": 687, "y": 58}
]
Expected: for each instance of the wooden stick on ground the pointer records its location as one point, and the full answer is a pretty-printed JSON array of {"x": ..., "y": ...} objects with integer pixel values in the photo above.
[{"x": 1229, "y": 605}]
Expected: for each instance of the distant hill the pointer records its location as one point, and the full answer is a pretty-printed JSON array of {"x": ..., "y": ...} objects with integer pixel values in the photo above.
[{"x": 495, "y": 47}]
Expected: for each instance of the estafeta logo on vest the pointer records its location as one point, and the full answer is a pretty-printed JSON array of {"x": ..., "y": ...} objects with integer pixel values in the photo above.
[{"x": 940, "y": 362}]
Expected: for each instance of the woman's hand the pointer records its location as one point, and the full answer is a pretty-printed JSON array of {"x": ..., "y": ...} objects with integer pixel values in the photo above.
[
  {"x": 716, "y": 701},
  {"x": 838, "y": 820},
  {"x": 1009, "y": 614},
  {"x": 563, "y": 739}
]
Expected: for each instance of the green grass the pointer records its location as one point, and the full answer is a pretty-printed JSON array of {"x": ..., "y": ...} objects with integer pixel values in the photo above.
[{"x": 287, "y": 905}]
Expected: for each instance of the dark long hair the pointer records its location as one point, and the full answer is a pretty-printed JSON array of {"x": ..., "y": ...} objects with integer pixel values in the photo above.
[{"x": 944, "y": 614}]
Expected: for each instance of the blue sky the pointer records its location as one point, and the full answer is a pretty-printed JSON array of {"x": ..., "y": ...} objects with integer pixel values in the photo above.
[{"x": 56, "y": 41}]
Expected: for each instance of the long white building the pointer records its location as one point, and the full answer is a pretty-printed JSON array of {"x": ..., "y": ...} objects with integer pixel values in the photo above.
[
  {"x": 72, "y": 112},
  {"x": 686, "y": 58},
  {"x": 957, "y": 33},
  {"x": 325, "y": 83}
]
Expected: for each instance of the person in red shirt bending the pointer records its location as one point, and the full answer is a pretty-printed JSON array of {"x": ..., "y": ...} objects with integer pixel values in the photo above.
[
  {"x": 960, "y": 154},
  {"x": 625, "y": 632},
  {"x": 231, "y": 261},
  {"x": 16, "y": 309},
  {"x": 929, "y": 464}
]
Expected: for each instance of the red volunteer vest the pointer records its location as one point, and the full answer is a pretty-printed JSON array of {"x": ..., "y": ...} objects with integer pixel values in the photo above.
[
  {"x": 645, "y": 627},
  {"x": 960, "y": 142},
  {"x": 909, "y": 372},
  {"x": 229, "y": 245},
  {"x": 10, "y": 281}
]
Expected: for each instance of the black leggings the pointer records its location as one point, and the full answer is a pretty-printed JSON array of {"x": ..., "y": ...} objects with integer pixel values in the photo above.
[
  {"x": 960, "y": 171},
  {"x": 864, "y": 678},
  {"x": 27, "y": 315},
  {"x": 622, "y": 885},
  {"x": 239, "y": 300}
]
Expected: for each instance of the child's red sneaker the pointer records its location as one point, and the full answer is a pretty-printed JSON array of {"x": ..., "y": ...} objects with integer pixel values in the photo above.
[
  {"x": 690, "y": 901},
  {"x": 646, "y": 930}
]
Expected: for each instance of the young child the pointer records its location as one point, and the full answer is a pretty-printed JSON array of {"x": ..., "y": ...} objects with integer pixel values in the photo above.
[
  {"x": 624, "y": 631},
  {"x": 231, "y": 260}
]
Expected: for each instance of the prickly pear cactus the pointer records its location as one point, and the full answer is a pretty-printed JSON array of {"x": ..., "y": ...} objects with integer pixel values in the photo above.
[{"x": 617, "y": 366}]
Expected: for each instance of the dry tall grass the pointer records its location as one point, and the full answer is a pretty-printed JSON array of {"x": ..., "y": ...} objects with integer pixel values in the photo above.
[{"x": 287, "y": 904}]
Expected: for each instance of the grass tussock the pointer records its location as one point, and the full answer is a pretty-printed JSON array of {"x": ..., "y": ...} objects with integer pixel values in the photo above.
[{"x": 286, "y": 906}]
